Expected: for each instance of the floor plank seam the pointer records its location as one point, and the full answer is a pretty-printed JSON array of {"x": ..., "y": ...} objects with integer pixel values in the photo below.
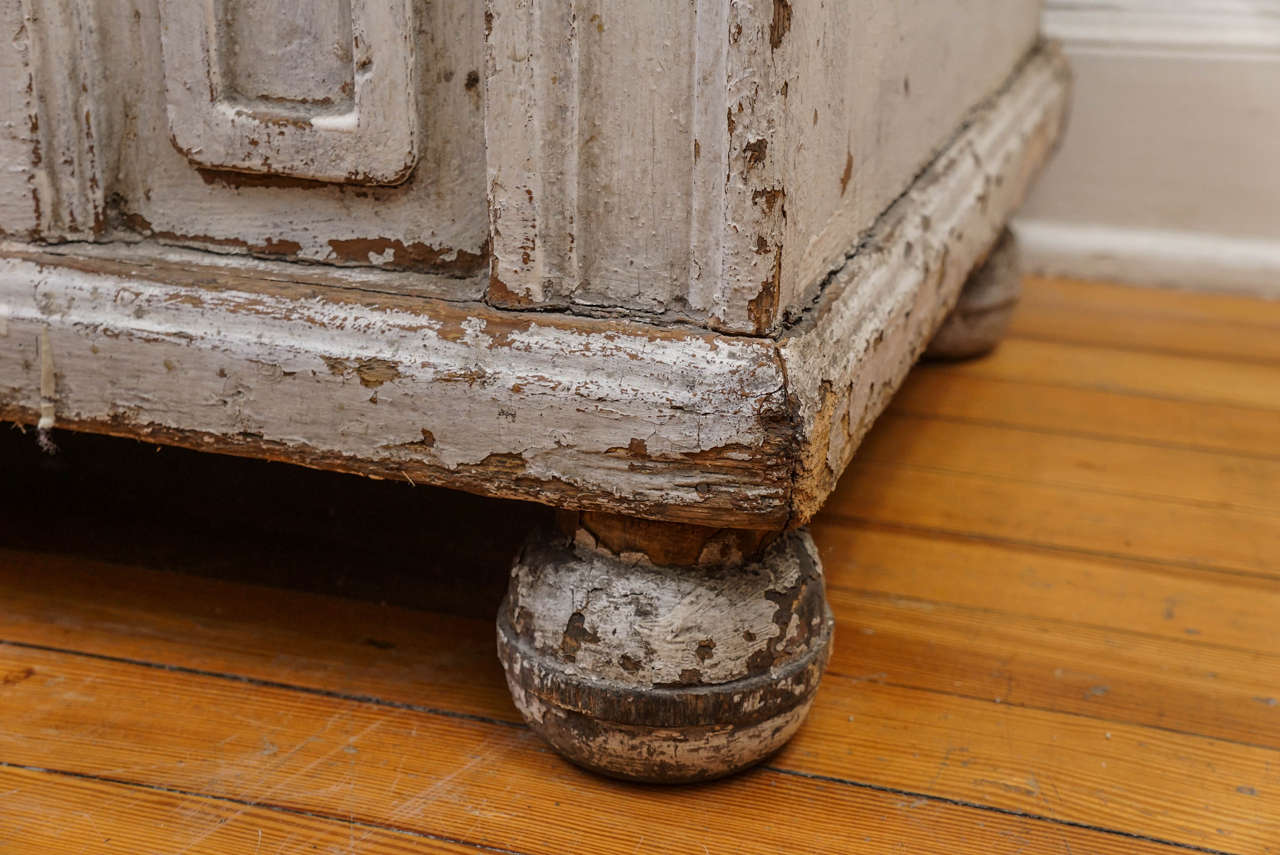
[
  {"x": 1034, "y": 299},
  {"x": 1126, "y": 391},
  {"x": 1207, "y": 355},
  {"x": 897, "y": 410},
  {"x": 895, "y": 525},
  {"x": 382, "y": 702},
  {"x": 249, "y": 803},
  {"x": 853, "y": 678},
  {"x": 889, "y": 597},
  {"x": 1154, "y": 498},
  {"x": 1084, "y": 826},
  {"x": 259, "y": 682}
]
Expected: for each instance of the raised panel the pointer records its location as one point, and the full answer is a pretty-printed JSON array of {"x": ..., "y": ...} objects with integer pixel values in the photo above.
[
  {"x": 315, "y": 89},
  {"x": 431, "y": 228}
]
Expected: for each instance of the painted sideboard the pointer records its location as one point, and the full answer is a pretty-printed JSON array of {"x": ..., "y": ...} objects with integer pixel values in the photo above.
[{"x": 659, "y": 265}]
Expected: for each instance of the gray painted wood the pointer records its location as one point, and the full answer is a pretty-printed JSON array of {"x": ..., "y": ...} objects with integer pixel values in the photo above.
[
  {"x": 410, "y": 373},
  {"x": 661, "y": 673}
]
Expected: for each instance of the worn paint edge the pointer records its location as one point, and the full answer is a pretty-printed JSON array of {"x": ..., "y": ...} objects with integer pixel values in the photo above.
[
  {"x": 851, "y": 351},
  {"x": 655, "y": 422},
  {"x": 817, "y": 388}
]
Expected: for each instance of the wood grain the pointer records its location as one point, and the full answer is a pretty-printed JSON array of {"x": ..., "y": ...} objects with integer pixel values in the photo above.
[
  {"x": 1166, "y": 474},
  {"x": 1049, "y": 640},
  {"x": 1206, "y": 310},
  {"x": 958, "y": 393},
  {"x": 1212, "y": 325},
  {"x": 908, "y": 644},
  {"x": 1147, "y": 598},
  {"x": 50, "y": 812},
  {"x": 494, "y": 786},
  {"x": 1158, "y": 375},
  {"x": 1028, "y": 511},
  {"x": 1109, "y": 675}
]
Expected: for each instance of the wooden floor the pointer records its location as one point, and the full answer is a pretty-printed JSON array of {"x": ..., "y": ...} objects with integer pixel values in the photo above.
[{"x": 1055, "y": 571}]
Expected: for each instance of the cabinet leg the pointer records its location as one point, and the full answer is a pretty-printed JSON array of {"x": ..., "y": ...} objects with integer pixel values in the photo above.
[
  {"x": 663, "y": 652},
  {"x": 981, "y": 316}
]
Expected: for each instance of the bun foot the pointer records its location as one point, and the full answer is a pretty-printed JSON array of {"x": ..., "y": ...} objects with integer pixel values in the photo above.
[
  {"x": 638, "y": 667},
  {"x": 981, "y": 316}
]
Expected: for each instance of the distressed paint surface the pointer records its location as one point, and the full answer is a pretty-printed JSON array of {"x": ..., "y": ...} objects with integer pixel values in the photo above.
[
  {"x": 75, "y": 137},
  {"x": 879, "y": 90},
  {"x": 664, "y": 673},
  {"x": 627, "y": 162},
  {"x": 616, "y": 185},
  {"x": 306, "y": 92},
  {"x": 985, "y": 306},
  {"x": 19, "y": 202},
  {"x": 848, "y": 356},
  {"x": 590, "y": 414},
  {"x": 324, "y": 367},
  {"x": 105, "y": 166}
]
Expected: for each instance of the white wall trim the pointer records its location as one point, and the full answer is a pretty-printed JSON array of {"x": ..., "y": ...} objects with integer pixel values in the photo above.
[
  {"x": 1170, "y": 171},
  {"x": 1188, "y": 260},
  {"x": 1220, "y": 27}
]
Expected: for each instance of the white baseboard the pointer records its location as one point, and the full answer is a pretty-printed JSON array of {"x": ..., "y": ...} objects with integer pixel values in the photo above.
[
  {"x": 1170, "y": 168},
  {"x": 1225, "y": 27},
  {"x": 1187, "y": 260}
]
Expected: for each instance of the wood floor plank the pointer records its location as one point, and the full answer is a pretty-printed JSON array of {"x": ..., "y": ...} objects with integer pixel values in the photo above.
[
  {"x": 425, "y": 662},
  {"x": 1160, "y": 375},
  {"x": 1062, "y": 609},
  {"x": 1115, "y": 466},
  {"x": 489, "y": 784},
  {"x": 1105, "y": 524},
  {"x": 1140, "y": 301},
  {"x": 1198, "y": 791},
  {"x": 1176, "y": 603},
  {"x": 1110, "y": 675},
  {"x": 947, "y": 391},
  {"x": 47, "y": 813},
  {"x": 1110, "y": 316},
  {"x": 879, "y": 581},
  {"x": 344, "y": 646}
]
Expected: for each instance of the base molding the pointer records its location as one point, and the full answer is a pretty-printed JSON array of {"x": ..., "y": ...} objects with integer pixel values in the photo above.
[
  {"x": 1187, "y": 260},
  {"x": 1167, "y": 172}
]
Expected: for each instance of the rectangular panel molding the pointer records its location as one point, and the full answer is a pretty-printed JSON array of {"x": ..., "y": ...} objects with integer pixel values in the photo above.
[{"x": 292, "y": 89}]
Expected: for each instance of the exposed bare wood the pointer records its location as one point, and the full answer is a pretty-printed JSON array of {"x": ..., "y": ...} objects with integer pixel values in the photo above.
[{"x": 669, "y": 543}]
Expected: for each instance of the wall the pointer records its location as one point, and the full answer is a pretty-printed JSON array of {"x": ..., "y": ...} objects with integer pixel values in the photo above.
[{"x": 1170, "y": 170}]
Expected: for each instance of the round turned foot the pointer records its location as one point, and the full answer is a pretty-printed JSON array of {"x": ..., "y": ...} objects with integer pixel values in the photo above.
[
  {"x": 981, "y": 316},
  {"x": 660, "y": 672}
]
